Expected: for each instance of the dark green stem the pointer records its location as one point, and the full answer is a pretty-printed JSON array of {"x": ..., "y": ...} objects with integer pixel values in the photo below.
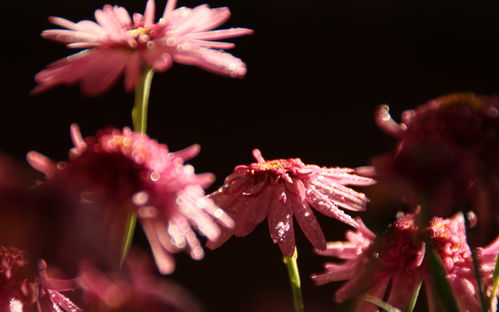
[
  {"x": 139, "y": 119},
  {"x": 294, "y": 279},
  {"x": 476, "y": 265}
]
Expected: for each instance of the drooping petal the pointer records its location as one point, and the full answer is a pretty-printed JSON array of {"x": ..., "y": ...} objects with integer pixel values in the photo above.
[
  {"x": 280, "y": 221},
  {"x": 322, "y": 203}
]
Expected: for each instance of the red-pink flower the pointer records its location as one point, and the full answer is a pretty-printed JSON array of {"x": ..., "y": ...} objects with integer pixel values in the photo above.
[
  {"x": 118, "y": 43},
  {"x": 117, "y": 173},
  {"x": 447, "y": 153},
  {"x": 397, "y": 258},
  {"x": 370, "y": 266},
  {"x": 282, "y": 188},
  {"x": 26, "y": 287},
  {"x": 449, "y": 239},
  {"x": 134, "y": 288}
]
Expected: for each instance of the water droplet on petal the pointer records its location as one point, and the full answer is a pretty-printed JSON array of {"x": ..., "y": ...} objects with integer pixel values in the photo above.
[
  {"x": 140, "y": 198},
  {"x": 155, "y": 176}
]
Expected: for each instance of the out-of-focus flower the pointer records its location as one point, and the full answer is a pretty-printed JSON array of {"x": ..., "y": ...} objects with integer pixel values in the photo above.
[
  {"x": 449, "y": 239},
  {"x": 117, "y": 173},
  {"x": 282, "y": 188},
  {"x": 447, "y": 155},
  {"x": 117, "y": 43},
  {"x": 370, "y": 266},
  {"x": 397, "y": 258},
  {"x": 24, "y": 287},
  {"x": 136, "y": 288}
]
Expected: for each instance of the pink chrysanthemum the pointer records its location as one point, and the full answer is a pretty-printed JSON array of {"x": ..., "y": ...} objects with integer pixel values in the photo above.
[
  {"x": 135, "y": 288},
  {"x": 283, "y": 188},
  {"x": 396, "y": 261},
  {"x": 448, "y": 153},
  {"x": 117, "y": 43},
  {"x": 449, "y": 238},
  {"x": 371, "y": 266},
  {"x": 23, "y": 287},
  {"x": 117, "y": 173}
]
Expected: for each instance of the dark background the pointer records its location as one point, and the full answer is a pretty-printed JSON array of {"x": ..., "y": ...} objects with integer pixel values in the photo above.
[{"x": 316, "y": 72}]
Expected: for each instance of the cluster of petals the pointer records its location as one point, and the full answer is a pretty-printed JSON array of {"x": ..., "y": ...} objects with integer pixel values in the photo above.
[
  {"x": 118, "y": 43},
  {"x": 396, "y": 261},
  {"x": 135, "y": 288},
  {"x": 24, "y": 286},
  {"x": 447, "y": 152},
  {"x": 282, "y": 188},
  {"x": 120, "y": 172}
]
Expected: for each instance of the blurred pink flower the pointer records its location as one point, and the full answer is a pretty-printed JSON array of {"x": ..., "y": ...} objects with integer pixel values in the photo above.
[
  {"x": 117, "y": 43},
  {"x": 135, "y": 288},
  {"x": 370, "y": 266},
  {"x": 447, "y": 153},
  {"x": 283, "y": 188},
  {"x": 117, "y": 173},
  {"x": 449, "y": 238},
  {"x": 396, "y": 258},
  {"x": 24, "y": 287}
]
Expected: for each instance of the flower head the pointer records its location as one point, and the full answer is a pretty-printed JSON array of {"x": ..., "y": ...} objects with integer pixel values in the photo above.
[
  {"x": 24, "y": 287},
  {"x": 119, "y": 43},
  {"x": 282, "y": 188},
  {"x": 396, "y": 261},
  {"x": 449, "y": 238},
  {"x": 117, "y": 173},
  {"x": 371, "y": 265},
  {"x": 136, "y": 288},
  {"x": 447, "y": 152}
]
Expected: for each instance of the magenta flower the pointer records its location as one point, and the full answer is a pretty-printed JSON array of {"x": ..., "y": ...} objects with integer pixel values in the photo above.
[
  {"x": 370, "y": 266},
  {"x": 449, "y": 239},
  {"x": 117, "y": 43},
  {"x": 117, "y": 173},
  {"x": 135, "y": 288},
  {"x": 23, "y": 287},
  {"x": 283, "y": 188},
  {"x": 397, "y": 258},
  {"x": 447, "y": 152}
]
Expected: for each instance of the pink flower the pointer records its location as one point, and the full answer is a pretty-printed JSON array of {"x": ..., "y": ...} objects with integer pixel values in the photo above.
[
  {"x": 397, "y": 258},
  {"x": 136, "y": 288},
  {"x": 370, "y": 266},
  {"x": 449, "y": 239},
  {"x": 23, "y": 287},
  {"x": 283, "y": 188},
  {"x": 117, "y": 173},
  {"x": 447, "y": 152},
  {"x": 117, "y": 43}
]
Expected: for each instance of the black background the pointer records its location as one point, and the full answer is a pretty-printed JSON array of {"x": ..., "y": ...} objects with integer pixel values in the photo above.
[{"x": 316, "y": 72}]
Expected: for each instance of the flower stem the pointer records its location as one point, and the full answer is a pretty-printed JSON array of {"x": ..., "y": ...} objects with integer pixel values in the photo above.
[
  {"x": 294, "y": 280},
  {"x": 142, "y": 90},
  {"x": 139, "y": 120},
  {"x": 476, "y": 265},
  {"x": 380, "y": 304},
  {"x": 495, "y": 278}
]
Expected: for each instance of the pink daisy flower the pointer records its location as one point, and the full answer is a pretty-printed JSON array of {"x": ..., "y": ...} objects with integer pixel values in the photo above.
[
  {"x": 117, "y": 173},
  {"x": 135, "y": 288},
  {"x": 118, "y": 43},
  {"x": 23, "y": 287},
  {"x": 282, "y": 188},
  {"x": 449, "y": 238},
  {"x": 395, "y": 261},
  {"x": 448, "y": 152},
  {"x": 370, "y": 266}
]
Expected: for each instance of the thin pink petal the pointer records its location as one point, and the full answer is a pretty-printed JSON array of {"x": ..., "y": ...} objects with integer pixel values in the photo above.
[
  {"x": 149, "y": 13},
  {"x": 326, "y": 207},
  {"x": 280, "y": 221},
  {"x": 220, "y": 34}
]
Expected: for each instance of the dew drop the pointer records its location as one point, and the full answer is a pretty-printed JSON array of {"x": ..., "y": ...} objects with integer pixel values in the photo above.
[
  {"x": 218, "y": 213},
  {"x": 154, "y": 176},
  {"x": 140, "y": 198}
]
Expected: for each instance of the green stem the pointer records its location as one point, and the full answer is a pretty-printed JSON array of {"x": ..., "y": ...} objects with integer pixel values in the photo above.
[
  {"x": 294, "y": 279},
  {"x": 414, "y": 299},
  {"x": 139, "y": 120},
  {"x": 476, "y": 265},
  {"x": 380, "y": 304},
  {"x": 439, "y": 279},
  {"x": 495, "y": 278},
  {"x": 142, "y": 91}
]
